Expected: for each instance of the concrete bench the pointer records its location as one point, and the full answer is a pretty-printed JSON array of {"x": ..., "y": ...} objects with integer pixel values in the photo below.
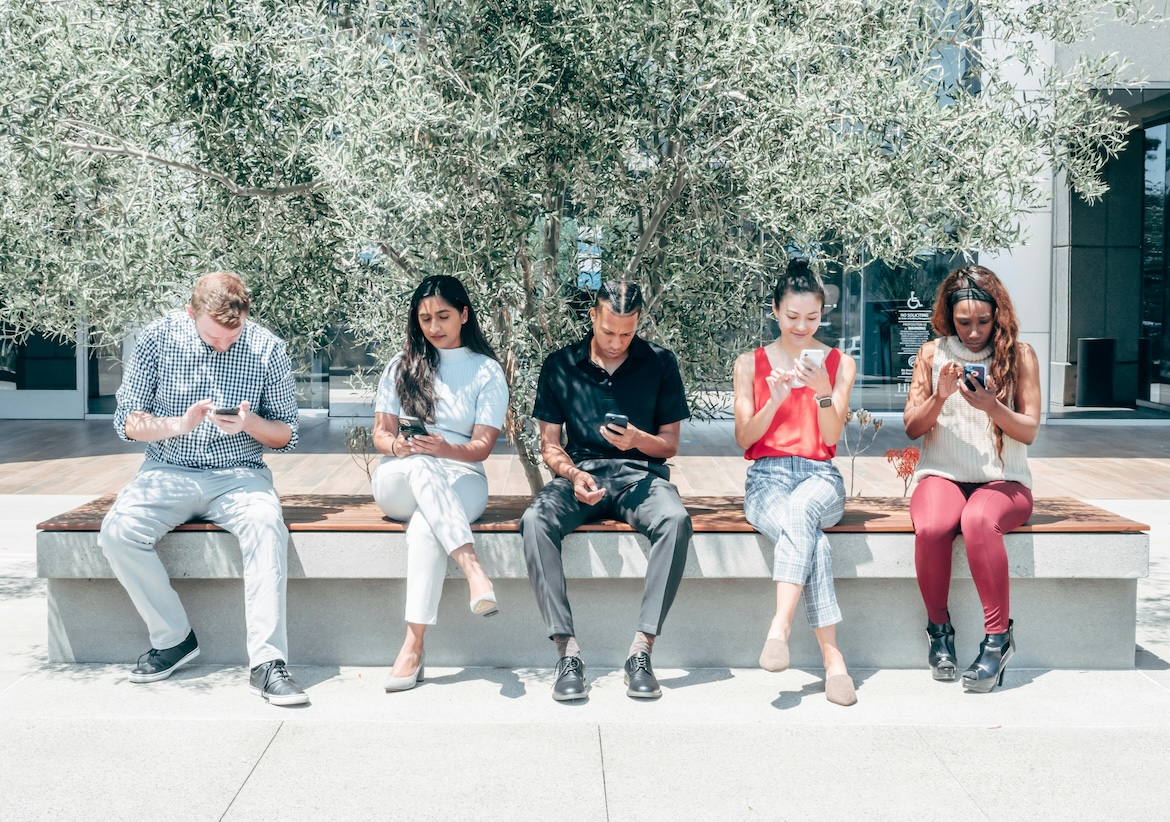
[{"x": 1074, "y": 571}]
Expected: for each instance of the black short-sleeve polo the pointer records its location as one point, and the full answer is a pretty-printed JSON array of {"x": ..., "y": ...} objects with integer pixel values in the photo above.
[{"x": 576, "y": 393}]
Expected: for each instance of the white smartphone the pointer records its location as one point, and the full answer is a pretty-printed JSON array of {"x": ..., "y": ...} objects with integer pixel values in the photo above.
[{"x": 811, "y": 356}]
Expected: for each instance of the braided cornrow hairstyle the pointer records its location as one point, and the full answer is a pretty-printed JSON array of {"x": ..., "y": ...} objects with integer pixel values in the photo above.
[{"x": 623, "y": 297}]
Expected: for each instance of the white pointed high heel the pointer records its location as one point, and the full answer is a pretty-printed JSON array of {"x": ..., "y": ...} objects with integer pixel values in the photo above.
[
  {"x": 485, "y": 605},
  {"x": 405, "y": 683}
]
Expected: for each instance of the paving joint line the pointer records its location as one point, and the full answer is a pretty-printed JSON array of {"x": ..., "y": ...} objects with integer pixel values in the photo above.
[
  {"x": 951, "y": 774},
  {"x": 251, "y": 771},
  {"x": 604, "y": 786}
]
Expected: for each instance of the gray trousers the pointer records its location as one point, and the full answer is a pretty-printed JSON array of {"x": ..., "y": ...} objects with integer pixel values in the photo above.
[
  {"x": 646, "y": 501},
  {"x": 243, "y": 502}
]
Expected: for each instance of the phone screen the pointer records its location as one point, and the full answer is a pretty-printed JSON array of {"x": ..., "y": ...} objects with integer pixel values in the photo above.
[{"x": 227, "y": 412}]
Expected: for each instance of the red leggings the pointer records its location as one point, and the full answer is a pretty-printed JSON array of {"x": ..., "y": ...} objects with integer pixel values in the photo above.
[{"x": 983, "y": 512}]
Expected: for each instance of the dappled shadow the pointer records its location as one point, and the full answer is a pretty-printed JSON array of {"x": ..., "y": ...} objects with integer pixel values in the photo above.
[
  {"x": 196, "y": 678},
  {"x": 21, "y": 587}
]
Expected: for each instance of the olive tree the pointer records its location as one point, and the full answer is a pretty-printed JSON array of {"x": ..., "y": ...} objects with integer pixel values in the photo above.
[{"x": 336, "y": 152}]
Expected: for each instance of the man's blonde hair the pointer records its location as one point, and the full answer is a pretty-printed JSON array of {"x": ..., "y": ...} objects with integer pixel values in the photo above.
[{"x": 222, "y": 296}]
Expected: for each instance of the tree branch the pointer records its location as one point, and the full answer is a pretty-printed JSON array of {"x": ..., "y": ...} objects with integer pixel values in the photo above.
[
  {"x": 651, "y": 230},
  {"x": 240, "y": 191},
  {"x": 397, "y": 258}
]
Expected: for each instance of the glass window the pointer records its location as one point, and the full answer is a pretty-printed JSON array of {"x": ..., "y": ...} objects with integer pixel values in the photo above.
[
  {"x": 893, "y": 322},
  {"x": 1154, "y": 365}
]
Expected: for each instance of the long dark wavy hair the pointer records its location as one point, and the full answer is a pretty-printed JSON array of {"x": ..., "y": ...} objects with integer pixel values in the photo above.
[
  {"x": 1005, "y": 329},
  {"x": 415, "y": 381}
]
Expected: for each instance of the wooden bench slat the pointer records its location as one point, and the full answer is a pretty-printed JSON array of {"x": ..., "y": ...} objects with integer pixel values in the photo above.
[{"x": 357, "y": 512}]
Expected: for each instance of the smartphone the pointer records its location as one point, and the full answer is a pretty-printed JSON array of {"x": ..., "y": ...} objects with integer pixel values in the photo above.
[
  {"x": 617, "y": 420},
  {"x": 811, "y": 356},
  {"x": 226, "y": 412},
  {"x": 411, "y": 427},
  {"x": 975, "y": 372}
]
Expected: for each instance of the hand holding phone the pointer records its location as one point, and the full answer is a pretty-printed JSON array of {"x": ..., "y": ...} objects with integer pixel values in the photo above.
[
  {"x": 411, "y": 427},
  {"x": 813, "y": 358},
  {"x": 617, "y": 420},
  {"x": 975, "y": 373}
]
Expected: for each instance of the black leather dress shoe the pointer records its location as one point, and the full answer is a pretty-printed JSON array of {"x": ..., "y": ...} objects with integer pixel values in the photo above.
[
  {"x": 640, "y": 678},
  {"x": 570, "y": 679}
]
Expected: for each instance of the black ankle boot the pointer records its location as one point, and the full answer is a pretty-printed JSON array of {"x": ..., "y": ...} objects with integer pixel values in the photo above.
[
  {"x": 988, "y": 668},
  {"x": 943, "y": 662}
]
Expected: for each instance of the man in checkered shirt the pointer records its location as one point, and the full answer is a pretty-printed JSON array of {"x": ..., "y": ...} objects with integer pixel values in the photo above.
[{"x": 208, "y": 390}]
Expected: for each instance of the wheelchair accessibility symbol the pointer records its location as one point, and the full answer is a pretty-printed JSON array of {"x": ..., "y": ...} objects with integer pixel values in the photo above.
[{"x": 913, "y": 302}]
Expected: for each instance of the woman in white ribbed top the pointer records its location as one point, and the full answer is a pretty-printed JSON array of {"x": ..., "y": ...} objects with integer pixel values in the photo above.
[
  {"x": 975, "y": 398},
  {"x": 448, "y": 377}
]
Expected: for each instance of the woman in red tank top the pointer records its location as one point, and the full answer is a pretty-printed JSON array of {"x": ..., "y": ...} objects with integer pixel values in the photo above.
[{"x": 791, "y": 397}]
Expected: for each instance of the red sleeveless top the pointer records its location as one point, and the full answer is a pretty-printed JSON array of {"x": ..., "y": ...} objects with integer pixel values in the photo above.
[{"x": 794, "y": 431}]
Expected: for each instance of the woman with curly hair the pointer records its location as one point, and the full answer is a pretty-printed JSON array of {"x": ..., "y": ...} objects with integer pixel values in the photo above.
[{"x": 975, "y": 398}]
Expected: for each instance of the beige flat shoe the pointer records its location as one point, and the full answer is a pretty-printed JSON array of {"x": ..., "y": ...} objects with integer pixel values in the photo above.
[
  {"x": 774, "y": 657},
  {"x": 839, "y": 690}
]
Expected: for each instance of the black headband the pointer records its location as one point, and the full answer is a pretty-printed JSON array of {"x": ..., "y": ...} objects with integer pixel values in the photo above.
[{"x": 971, "y": 292}]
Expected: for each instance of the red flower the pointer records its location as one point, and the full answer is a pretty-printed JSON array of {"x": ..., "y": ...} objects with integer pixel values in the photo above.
[{"x": 904, "y": 462}]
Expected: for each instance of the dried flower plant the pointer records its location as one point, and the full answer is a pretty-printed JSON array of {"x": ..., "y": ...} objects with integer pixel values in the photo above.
[{"x": 867, "y": 429}]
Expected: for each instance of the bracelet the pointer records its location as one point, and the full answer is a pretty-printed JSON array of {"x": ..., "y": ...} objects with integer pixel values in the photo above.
[{"x": 393, "y": 450}]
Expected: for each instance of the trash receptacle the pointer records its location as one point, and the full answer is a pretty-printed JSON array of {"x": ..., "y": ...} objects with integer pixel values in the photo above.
[
  {"x": 1145, "y": 369},
  {"x": 1095, "y": 370}
]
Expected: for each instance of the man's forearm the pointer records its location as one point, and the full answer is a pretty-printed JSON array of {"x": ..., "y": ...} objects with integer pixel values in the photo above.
[
  {"x": 269, "y": 433},
  {"x": 559, "y": 461},
  {"x": 658, "y": 446},
  {"x": 143, "y": 427}
]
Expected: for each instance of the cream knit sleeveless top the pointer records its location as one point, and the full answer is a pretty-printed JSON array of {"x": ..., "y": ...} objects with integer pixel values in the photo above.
[{"x": 961, "y": 445}]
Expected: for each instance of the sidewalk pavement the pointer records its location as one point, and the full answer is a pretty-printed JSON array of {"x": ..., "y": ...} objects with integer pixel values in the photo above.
[{"x": 80, "y": 741}]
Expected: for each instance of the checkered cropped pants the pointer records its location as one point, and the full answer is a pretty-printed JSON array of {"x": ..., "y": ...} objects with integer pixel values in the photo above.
[{"x": 790, "y": 500}]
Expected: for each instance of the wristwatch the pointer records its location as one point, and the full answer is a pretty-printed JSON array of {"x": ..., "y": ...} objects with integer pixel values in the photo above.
[{"x": 825, "y": 402}]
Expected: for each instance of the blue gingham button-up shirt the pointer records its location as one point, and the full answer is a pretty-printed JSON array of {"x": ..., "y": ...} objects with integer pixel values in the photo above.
[{"x": 172, "y": 368}]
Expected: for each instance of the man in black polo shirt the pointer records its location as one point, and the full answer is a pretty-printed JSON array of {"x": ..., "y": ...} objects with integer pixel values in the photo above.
[{"x": 608, "y": 471}]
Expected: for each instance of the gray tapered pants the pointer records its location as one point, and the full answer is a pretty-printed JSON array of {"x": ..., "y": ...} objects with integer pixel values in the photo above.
[
  {"x": 243, "y": 502},
  {"x": 643, "y": 499}
]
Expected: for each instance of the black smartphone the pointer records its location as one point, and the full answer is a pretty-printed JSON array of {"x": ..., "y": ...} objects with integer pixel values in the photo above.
[
  {"x": 411, "y": 427},
  {"x": 617, "y": 420},
  {"x": 975, "y": 372},
  {"x": 227, "y": 412}
]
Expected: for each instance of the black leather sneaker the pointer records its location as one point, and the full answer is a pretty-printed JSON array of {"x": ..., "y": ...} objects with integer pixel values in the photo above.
[
  {"x": 570, "y": 679},
  {"x": 640, "y": 678},
  {"x": 155, "y": 665},
  {"x": 273, "y": 682}
]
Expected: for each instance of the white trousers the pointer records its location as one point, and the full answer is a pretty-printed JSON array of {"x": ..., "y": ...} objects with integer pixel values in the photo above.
[
  {"x": 243, "y": 502},
  {"x": 438, "y": 499}
]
